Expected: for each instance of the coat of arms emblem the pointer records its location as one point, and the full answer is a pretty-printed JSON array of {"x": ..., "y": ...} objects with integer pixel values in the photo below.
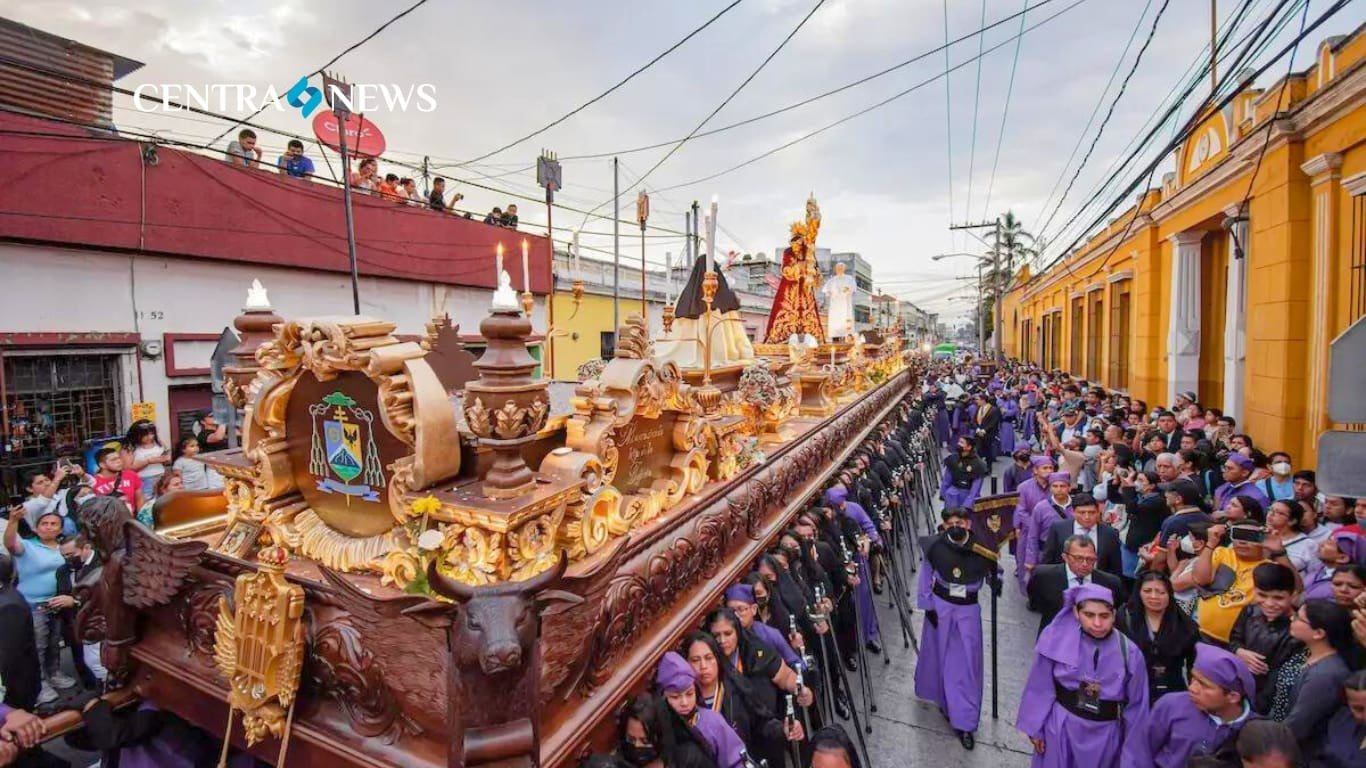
[{"x": 342, "y": 456}]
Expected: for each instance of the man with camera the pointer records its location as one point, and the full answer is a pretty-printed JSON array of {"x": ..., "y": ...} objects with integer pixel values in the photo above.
[{"x": 1224, "y": 574}]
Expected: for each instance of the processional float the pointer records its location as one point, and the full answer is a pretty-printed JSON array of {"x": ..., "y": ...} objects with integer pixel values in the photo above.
[{"x": 426, "y": 559}]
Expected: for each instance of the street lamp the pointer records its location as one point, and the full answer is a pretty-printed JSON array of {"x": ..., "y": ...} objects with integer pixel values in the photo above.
[{"x": 942, "y": 256}]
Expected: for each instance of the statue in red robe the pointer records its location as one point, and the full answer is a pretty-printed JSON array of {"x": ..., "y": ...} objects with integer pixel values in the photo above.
[{"x": 794, "y": 307}]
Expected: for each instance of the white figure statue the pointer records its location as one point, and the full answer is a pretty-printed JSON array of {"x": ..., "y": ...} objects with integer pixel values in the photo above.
[
  {"x": 256, "y": 297},
  {"x": 504, "y": 297},
  {"x": 839, "y": 307}
]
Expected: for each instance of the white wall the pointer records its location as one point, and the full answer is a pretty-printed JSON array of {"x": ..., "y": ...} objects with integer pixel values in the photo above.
[{"x": 54, "y": 289}]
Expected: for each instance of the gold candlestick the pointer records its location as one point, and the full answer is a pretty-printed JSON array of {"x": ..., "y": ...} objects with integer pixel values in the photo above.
[
  {"x": 668, "y": 318},
  {"x": 528, "y": 302},
  {"x": 708, "y": 395}
]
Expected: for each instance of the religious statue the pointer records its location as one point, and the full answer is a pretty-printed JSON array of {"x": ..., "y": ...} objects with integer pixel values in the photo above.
[
  {"x": 794, "y": 305},
  {"x": 684, "y": 345},
  {"x": 504, "y": 297},
  {"x": 839, "y": 307}
]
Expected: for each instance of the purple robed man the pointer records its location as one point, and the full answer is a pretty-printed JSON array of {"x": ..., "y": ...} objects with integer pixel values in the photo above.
[
  {"x": 1075, "y": 671},
  {"x": 1010, "y": 414},
  {"x": 1042, "y": 517},
  {"x": 675, "y": 675},
  {"x": 963, "y": 475},
  {"x": 948, "y": 671},
  {"x": 838, "y": 497},
  {"x": 1178, "y": 728},
  {"x": 1227, "y": 491},
  {"x": 771, "y": 637},
  {"x": 1031, "y": 493}
]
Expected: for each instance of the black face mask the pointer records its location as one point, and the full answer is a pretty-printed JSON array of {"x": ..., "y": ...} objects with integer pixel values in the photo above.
[
  {"x": 957, "y": 536},
  {"x": 793, "y": 554},
  {"x": 762, "y": 602},
  {"x": 74, "y": 561},
  {"x": 639, "y": 756}
]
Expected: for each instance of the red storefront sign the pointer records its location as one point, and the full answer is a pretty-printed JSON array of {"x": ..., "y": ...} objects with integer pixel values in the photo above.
[{"x": 362, "y": 136}]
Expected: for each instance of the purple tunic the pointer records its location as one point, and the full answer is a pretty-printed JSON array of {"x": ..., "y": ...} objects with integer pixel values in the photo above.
[
  {"x": 171, "y": 748},
  {"x": 1041, "y": 518},
  {"x": 1071, "y": 741},
  {"x": 1318, "y": 583},
  {"x": 1031, "y": 493},
  {"x": 1177, "y": 731},
  {"x": 714, "y": 730},
  {"x": 864, "y": 592},
  {"x": 1013, "y": 477},
  {"x": 941, "y": 427},
  {"x": 948, "y": 671},
  {"x": 1010, "y": 413},
  {"x": 1227, "y": 491},
  {"x": 775, "y": 640},
  {"x": 954, "y": 496}
]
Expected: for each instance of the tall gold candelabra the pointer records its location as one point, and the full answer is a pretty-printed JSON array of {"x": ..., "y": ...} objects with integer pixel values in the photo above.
[{"x": 708, "y": 395}]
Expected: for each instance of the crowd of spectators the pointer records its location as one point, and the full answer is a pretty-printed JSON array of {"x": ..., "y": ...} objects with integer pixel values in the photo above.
[
  {"x": 1204, "y": 538},
  {"x": 366, "y": 178},
  {"x": 48, "y": 557}
]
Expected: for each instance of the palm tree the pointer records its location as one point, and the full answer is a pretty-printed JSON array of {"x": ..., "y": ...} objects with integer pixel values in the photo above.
[{"x": 1016, "y": 247}]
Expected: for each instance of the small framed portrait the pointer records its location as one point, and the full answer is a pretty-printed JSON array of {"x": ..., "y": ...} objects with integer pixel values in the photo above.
[{"x": 239, "y": 539}]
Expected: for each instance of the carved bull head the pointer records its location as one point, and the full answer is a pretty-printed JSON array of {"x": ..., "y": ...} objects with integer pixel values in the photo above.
[{"x": 499, "y": 623}]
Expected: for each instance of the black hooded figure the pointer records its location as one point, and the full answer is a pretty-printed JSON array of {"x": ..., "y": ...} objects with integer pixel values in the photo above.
[{"x": 690, "y": 305}]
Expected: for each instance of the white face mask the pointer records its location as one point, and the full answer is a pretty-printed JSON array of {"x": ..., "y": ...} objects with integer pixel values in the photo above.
[
  {"x": 1281, "y": 468},
  {"x": 1188, "y": 544}
]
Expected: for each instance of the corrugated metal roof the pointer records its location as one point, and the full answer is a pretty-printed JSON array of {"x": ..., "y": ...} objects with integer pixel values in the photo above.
[{"x": 60, "y": 94}]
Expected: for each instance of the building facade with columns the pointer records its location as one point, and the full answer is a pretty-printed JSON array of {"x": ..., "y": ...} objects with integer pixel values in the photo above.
[{"x": 1231, "y": 278}]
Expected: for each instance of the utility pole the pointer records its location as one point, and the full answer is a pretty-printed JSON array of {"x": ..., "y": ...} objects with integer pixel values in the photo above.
[
  {"x": 996, "y": 286},
  {"x": 616, "y": 252},
  {"x": 696, "y": 231},
  {"x": 550, "y": 176},
  {"x": 642, "y": 215},
  {"x": 332, "y": 84}
]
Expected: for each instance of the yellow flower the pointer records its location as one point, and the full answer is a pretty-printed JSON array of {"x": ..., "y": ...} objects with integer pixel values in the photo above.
[{"x": 427, "y": 505}]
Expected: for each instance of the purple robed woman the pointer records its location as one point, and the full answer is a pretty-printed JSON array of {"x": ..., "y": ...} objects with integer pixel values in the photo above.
[
  {"x": 1032, "y": 491},
  {"x": 1178, "y": 728},
  {"x": 948, "y": 671},
  {"x": 676, "y": 677},
  {"x": 1342, "y": 548},
  {"x": 1088, "y": 686},
  {"x": 838, "y": 497}
]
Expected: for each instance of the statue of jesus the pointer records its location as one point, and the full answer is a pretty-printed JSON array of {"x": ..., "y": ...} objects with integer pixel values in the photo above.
[{"x": 839, "y": 307}]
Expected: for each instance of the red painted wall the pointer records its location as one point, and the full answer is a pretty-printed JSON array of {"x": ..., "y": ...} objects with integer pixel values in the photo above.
[{"x": 76, "y": 190}]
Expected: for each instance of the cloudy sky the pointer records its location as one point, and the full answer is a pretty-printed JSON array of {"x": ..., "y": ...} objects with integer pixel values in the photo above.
[{"x": 503, "y": 69}]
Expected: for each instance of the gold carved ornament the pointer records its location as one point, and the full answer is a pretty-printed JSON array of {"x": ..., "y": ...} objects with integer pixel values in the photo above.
[{"x": 259, "y": 649}]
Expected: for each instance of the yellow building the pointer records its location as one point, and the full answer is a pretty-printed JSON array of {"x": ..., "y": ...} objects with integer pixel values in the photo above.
[
  {"x": 589, "y": 333},
  {"x": 1189, "y": 291}
]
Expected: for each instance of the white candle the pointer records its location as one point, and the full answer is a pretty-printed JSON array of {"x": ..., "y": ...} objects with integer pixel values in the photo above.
[
  {"x": 526, "y": 266},
  {"x": 498, "y": 266},
  {"x": 668, "y": 277},
  {"x": 711, "y": 229},
  {"x": 706, "y": 229}
]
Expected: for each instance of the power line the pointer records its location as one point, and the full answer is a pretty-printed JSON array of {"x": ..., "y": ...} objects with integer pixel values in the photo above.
[
  {"x": 948, "y": 107},
  {"x": 976, "y": 103},
  {"x": 1146, "y": 136},
  {"x": 1248, "y": 43},
  {"x": 1133, "y": 35},
  {"x": 1005, "y": 114},
  {"x": 607, "y": 92},
  {"x": 867, "y": 109},
  {"x": 1280, "y": 97},
  {"x": 727, "y": 100},
  {"x": 332, "y": 61},
  {"x": 1193, "y": 122},
  {"x": 1109, "y": 113},
  {"x": 869, "y": 78}
]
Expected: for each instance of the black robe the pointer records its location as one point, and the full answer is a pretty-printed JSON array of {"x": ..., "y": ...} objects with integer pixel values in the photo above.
[{"x": 690, "y": 305}]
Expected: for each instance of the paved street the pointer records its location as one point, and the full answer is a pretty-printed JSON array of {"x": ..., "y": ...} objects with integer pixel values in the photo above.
[{"x": 907, "y": 731}]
